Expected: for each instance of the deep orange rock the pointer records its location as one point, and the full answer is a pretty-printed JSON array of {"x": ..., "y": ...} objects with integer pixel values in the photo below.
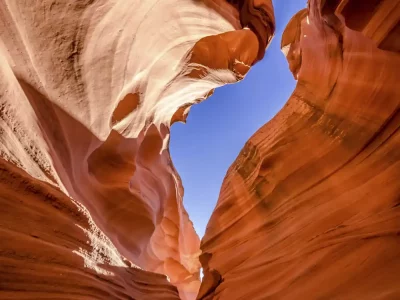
[
  {"x": 310, "y": 208},
  {"x": 40, "y": 230},
  {"x": 257, "y": 15},
  {"x": 88, "y": 191}
]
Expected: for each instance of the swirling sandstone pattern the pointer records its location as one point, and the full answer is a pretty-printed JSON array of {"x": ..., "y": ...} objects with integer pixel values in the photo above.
[
  {"x": 89, "y": 194},
  {"x": 40, "y": 230},
  {"x": 88, "y": 91},
  {"x": 310, "y": 209}
]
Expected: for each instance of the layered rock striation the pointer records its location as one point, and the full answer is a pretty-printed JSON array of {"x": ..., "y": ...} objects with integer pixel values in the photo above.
[
  {"x": 91, "y": 204},
  {"x": 88, "y": 92},
  {"x": 310, "y": 208},
  {"x": 43, "y": 236}
]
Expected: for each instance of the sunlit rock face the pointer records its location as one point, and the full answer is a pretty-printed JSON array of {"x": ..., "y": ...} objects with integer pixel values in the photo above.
[
  {"x": 310, "y": 208},
  {"x": 88, "y": 92}
]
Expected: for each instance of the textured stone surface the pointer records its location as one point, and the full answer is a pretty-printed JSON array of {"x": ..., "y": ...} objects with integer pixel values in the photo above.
[
  {"x": 91, "y": 205},
  {"x": 41, "y": 230},
  {"x": 310, "y": 208},
  {"x": 88, "y": 92}
]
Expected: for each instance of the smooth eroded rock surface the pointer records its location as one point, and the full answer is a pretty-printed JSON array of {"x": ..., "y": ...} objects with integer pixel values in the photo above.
[
  {"x": 91, "y": 204},
  {"x": 88, "y": 91},
  {"x": 43, "y": 234},
  {"x": 310, "y": 209}
]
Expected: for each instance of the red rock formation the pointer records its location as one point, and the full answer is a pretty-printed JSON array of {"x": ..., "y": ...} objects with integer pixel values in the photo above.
[
  {"x": 376, "y": 19},
  {"x": 88, "y": 91},
  {"x": 310, "y": 209},
  {"x": 88, "y": 191},
  {"x": 41, "y": 229}
]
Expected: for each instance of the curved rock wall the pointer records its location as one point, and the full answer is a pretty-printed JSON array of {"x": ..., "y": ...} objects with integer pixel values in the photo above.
[
  {"x": 91, "y": 205},
  {"x": 310, "y": 208},
  {"x": 41, "y": 231},
  {"x": 88, "y": 92}
]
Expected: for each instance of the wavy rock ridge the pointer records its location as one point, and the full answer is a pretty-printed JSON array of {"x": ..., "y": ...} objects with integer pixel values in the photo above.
[
  {"x": 89, "y": 90},
  {"x": 37, "y": 240},
  {"x": 310, "y": 208}
]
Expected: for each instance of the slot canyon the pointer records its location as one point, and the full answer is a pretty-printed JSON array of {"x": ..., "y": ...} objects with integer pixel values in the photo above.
[{"x": 91, "y": 205}]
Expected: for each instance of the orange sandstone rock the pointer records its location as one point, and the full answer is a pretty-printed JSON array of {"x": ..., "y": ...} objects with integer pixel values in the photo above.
[
  {"x": 41, "y": 231},
  {"x": 88, "y": 92},
  {"x": 310, "y": 208}
]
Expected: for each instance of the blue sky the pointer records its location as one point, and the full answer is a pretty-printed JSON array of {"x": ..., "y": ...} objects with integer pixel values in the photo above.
[{"x": 203, "y": 149}]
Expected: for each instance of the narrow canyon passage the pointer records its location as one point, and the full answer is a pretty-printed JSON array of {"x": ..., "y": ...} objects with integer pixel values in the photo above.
[
  {"x": 216, "y": 130},
  {"x": 291, "y": 185}
]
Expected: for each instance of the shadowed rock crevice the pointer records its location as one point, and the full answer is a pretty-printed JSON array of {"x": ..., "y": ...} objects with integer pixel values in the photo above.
[
  {"x": 211, "y": 280},
  {"x": 126, "y": 106}
]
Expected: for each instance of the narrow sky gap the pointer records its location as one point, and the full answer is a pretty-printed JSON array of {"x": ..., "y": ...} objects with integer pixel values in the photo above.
[{"x": 203, "y": 149}]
